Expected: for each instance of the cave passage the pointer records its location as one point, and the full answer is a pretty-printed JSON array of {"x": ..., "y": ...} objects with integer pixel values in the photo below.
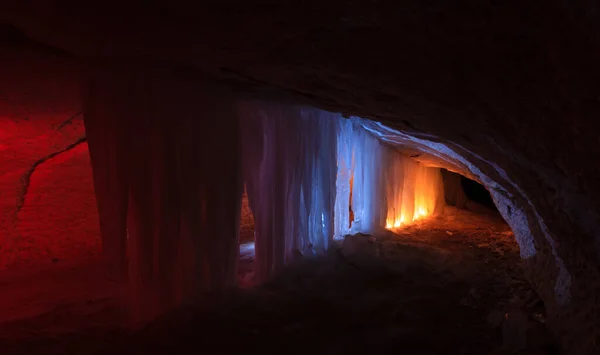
[
  {"x": 389, "y": 234},
  {"x": 326, "y": 222},
  {"x": 477, "y": 192},
  {"x": 184, "y": 107}
]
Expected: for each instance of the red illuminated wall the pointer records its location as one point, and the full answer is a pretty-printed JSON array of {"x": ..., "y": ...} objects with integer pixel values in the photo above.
[{"x": 53, "y": 219}]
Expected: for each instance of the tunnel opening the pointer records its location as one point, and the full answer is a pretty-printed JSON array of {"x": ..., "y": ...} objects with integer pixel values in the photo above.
[
  {"x": 477, "y": 193},
  {"x": 465, "y": 193}
]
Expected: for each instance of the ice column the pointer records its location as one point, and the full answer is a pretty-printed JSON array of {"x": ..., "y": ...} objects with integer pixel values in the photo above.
[
  {"x": 290, "y": 167},
  {"x": 165, "y": 155},
  {"x": 362, "y": 159},
  {"x": 369, "y": 187},
  {"x": 345, "y": 171}
]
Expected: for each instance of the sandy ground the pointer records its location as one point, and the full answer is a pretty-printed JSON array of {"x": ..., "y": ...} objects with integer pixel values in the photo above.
[{"x": 448, "y": 285}]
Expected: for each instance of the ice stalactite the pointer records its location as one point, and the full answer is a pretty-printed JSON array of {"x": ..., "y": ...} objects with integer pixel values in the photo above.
[
  {"x": 106, "y": 132},
  {"x": 389, "y": 189},
  {"x": 290, "y": 172},
  {"x": 165, "y": 155}
]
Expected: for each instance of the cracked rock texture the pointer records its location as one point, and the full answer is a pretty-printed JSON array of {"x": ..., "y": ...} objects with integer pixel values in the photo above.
[
  {"x": 503, "y": 92},
  {"x": 47, "y": 209}
]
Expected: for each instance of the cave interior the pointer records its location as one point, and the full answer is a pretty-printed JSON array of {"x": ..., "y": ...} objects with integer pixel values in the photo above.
[{"x": 371, "y": 177}]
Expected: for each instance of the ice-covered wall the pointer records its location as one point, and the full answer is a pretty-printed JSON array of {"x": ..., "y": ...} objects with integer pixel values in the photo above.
[{"x": 389, "y": 189}]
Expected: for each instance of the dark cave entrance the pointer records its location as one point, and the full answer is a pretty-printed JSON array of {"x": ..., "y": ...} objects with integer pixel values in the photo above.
[
  {"x": 477, "y": 193},
  {"x": 464, "y": 193}
]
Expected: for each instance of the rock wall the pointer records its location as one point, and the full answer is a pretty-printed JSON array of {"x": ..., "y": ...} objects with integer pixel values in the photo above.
[{"x": 47, "y": 207}]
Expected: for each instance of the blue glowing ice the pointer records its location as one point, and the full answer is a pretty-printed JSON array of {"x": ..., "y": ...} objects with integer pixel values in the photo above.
[
  {"x": 388, "y": 189},
  {"x": 289, "y": 155}
]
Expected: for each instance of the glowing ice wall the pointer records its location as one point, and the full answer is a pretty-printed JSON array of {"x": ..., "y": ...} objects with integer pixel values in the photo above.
[
  {"x": 413, "y": 191},
  {"x": 389, "y": 189},
  {"x": 289, "y": 157}
]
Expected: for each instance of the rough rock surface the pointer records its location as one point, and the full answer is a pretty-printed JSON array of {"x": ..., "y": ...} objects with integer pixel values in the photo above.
[
  {"x": 47, "y": 206},
  {"x": 511, "y": 87}
]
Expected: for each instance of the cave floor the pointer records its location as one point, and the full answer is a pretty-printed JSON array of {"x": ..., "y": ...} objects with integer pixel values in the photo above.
[{"x": 447, "y": 285}]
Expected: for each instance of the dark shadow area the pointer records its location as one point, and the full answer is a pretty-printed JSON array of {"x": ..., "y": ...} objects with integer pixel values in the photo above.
[
  {"x": 11, "y": 36},
  {"x": 464, "y": 193},
  {"x": 477, "y": 193}
]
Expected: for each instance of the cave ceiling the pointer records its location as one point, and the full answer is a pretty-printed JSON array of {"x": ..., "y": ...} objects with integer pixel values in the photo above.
[{"x": 479, "y": 74}]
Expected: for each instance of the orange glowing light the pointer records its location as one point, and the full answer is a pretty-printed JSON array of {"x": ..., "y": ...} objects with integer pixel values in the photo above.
[
  {"x": 420, "y": 212},
  {"x": 413, "y": 193}
]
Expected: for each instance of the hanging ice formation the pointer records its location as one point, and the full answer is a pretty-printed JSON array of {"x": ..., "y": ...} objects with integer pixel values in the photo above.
[
  {"x": 165, "y": 158},
  {"x": 169, "y": 157},
  {"x": 289, "y": 156},
  {"x": 302, "y": 165},
  {"x": 388, "y": 189}
]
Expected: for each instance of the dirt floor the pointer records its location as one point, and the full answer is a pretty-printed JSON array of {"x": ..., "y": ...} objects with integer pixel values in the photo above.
[{"x": 448, "y": 285}]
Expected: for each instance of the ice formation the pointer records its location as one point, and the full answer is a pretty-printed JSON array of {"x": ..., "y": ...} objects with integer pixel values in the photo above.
[
  {"x": 166, "y": 167},
  {"x": 289, "y": 156},
  {"x": 388, "y": 189},
  {"x": 169, "y": 165},
  {"x": 305, "y": 169}
]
